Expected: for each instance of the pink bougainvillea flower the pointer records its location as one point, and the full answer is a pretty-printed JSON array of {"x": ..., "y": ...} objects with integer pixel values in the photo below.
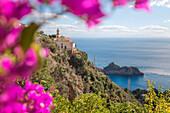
[
  {"x": 14, "y": 99},
  {"x": 9, "y": 37},
  {"x": 28, "y": 65},
  {"x": 9, "y": 99},
  {"x": 40, "y": 101},
  {"x": 12, "y": 37},
  {"x": 30, "y": 57},
  {"x": 120, "y": 2},
  {"x": 47, "y": 1},
  {"x": 53, "y": 107},
  {"x": 92, "y": 23},
  {"x": 44, "y": 52},
  {"x": 89, "y": 10},
  {"x": 28, "y": 86},
  {"x": 18, "y": 52},
  {"x": 6, "y": 64},
  {"x": 142, "y": 4},
  {"x": 37, "y": 87},
  {"x": 52, "y": 89},
  {"x": 14, "y": 107},
  {"x": 14, "y": 9},
  {"x": 10, "y": 93},
  {"x": 23, "y": 68}
]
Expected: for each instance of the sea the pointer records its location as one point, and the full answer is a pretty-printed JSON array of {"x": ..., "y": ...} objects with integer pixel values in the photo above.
[{"x": 150, "y": 55}]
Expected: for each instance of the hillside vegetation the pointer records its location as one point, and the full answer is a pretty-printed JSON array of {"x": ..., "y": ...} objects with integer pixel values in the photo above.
[
  {"x": 80, "y": 87},
  {"x": 74, "y": 75}
]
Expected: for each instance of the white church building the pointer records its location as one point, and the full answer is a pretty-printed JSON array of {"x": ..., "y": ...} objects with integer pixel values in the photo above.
[{"x": 64, "y": 42}]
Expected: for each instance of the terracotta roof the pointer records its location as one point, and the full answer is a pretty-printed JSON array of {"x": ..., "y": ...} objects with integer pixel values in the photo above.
[{"x": 68, "y": 39}]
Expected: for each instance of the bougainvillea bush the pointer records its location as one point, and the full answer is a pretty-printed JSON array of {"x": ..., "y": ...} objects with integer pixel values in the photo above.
[{"x": 20, "y": 56}]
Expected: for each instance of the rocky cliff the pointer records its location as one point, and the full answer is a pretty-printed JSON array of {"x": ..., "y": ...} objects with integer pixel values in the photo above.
[{"x": 113, "y": 69}]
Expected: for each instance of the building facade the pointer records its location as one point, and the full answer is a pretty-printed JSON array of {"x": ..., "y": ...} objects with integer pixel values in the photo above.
[{"x": 64, "y": 42}]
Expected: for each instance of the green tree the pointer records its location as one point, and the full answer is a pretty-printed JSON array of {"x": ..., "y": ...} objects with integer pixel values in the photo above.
[{"x": 157, "y": 102}]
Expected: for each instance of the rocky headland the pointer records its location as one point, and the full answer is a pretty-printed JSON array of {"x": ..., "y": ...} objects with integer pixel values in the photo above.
[{"x": 113, "y": 69}]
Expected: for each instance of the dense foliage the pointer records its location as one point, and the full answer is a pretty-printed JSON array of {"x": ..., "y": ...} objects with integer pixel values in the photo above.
[
  {"x": 73, "y": 75},
  {"x": 92, "y": 103},
  {"x": 78, "y": 83},
  {"x": 157, "y": 100}
]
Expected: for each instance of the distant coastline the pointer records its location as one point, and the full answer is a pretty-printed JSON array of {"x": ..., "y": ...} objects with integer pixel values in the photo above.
[{"x": 150, "y": 55}]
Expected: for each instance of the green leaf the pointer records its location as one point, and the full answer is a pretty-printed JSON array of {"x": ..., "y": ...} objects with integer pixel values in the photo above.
[
  {"x": 27, "y": 36},
  {"x": 43, "y": 81}
]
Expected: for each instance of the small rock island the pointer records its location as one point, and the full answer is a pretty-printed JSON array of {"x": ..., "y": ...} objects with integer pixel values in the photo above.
[{"x": 113, "y": 69}]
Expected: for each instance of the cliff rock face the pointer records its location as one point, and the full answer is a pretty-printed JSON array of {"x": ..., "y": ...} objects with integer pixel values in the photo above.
[{"x": 113, "y": 69}]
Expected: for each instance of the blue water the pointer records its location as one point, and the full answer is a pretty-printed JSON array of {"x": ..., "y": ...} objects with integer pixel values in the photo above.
[{"x": 151, "y": 56}]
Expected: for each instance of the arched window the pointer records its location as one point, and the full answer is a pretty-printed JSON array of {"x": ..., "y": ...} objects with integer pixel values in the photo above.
[
  {"x": 65, "y": 47},
  {"x": 61, "y": 45}
]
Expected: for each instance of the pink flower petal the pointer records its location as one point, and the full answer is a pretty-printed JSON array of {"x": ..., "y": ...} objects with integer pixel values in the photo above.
[
  {"x": 14, "y": 9},
  {"x": 142, "y": 4},
  {"x": 89, "y": 10},
  {"x": 120, "y": 2},
  {"x": 6, "y": 64},
  {"x": 31, "y": 57},
  {"x": 52, "y": 89},
  {"x": 44, "y": 52}
]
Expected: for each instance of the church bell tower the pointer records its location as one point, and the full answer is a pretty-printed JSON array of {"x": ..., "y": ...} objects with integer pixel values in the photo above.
[{"x": 58, "y": 34}]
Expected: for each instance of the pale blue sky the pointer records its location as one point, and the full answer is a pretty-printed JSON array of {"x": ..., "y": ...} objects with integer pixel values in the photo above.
[{"x": 120, "y": 22}]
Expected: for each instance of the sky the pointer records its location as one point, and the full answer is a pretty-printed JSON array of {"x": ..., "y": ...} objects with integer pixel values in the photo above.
[{"x": 119, "y": 22}]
